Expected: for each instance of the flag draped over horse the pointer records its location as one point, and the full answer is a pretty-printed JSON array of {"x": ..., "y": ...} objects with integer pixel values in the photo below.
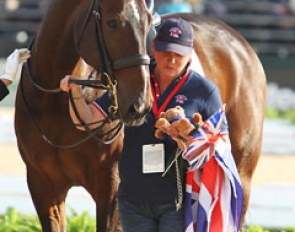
[{"x": 214, "y": 197}]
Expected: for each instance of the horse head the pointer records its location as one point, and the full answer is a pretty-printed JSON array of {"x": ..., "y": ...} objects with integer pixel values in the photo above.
[{"x": 112, "y": 39}]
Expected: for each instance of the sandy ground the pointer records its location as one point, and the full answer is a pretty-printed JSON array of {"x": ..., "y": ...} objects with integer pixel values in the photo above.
[
  {"x": 270, "y": 169},
  {"x": 11, "y": 162}
]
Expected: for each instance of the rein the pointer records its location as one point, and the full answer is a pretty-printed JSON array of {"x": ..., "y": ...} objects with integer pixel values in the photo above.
[
  {"x": 106, "y": 82},
  {"x": 91, "y": 133}
]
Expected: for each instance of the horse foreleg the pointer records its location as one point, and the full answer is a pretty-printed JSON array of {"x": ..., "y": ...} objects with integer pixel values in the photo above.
[
  {"x": 107, "y": 217},
  {"x": 114, "y": 221},
  {"x": 49, "y": 201},
  {"x": 104, "y": 194}
]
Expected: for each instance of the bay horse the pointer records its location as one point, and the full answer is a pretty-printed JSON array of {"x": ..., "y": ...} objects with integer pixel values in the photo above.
[{"x": 110, "y": 36}]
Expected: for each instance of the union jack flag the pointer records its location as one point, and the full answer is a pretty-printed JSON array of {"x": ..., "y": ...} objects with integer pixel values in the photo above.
[{"x": 214, "y": 196}]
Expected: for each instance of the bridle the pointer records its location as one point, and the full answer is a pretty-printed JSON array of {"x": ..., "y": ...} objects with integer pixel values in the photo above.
[
  {"x": 107, "y": 66},
  {"x": 106, "y": 81}
]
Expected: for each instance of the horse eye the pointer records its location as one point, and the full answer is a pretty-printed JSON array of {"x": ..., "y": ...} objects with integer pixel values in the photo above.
[{"x": 112, "y": 23}]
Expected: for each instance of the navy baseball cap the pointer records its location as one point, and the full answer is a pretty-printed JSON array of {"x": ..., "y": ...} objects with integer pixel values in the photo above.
[{"x": 175, "y": 35}]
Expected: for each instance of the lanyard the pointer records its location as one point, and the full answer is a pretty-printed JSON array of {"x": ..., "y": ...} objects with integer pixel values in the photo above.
[{"x": 156, "y": 94}]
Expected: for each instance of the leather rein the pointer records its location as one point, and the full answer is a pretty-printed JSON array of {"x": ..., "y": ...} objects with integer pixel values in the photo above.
[{"x": 106, "y": 81}]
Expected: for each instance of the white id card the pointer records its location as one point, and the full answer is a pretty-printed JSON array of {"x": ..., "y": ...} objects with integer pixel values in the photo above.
[{"x": 153, "y": 158}]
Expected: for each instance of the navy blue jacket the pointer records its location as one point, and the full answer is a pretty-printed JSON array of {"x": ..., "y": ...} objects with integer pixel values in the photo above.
[{"x": 197, "y": 94}]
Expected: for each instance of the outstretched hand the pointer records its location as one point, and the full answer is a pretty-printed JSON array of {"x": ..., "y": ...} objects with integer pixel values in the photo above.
[
  {"x": 14, "y": 63},
  {"x": 23, "y": 55}
]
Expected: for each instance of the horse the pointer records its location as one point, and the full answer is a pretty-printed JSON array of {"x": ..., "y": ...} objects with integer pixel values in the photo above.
[
  {"x": 66, "y": 38},
  {"x": 110, "y": 36}
]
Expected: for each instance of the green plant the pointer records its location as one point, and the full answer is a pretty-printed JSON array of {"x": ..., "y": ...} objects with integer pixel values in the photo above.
[
  {"x": 257, "y": 228},
  {"x": 80, "y": 223},
  {"x": 272, "y": 113},
  {"x": 290, "y": 115},
  {"x": 13, "y": 221}
]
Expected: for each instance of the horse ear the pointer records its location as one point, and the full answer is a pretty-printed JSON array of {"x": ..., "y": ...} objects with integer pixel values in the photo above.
[{"x": 85, "y": 37}]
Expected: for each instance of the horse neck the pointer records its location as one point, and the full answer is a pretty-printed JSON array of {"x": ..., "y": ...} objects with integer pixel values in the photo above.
[{"x": 54, "y": 47}]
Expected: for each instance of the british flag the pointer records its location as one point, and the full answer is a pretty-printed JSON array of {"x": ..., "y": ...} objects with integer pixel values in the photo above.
[{"x": 214, "y": 196}]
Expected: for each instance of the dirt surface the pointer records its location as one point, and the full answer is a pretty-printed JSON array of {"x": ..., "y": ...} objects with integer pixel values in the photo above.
[
  {"x": 11, "y": 162},
  {"x": 270, "y": 169}
]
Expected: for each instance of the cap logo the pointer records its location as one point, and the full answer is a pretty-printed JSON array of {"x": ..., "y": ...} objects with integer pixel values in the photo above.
[{"x": 175, "y": 32}]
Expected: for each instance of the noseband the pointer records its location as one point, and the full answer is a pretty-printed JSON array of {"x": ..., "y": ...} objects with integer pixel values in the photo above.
[{"x": 106, "y": 82}]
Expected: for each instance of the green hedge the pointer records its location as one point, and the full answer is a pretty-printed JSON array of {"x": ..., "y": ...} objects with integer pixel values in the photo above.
[
  {"x": 272, "y": 113},
  {"x": 13, "y": 221}
]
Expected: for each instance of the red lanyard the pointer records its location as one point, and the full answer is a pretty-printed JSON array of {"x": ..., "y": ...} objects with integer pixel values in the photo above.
[{"x": 156, "y": 94}]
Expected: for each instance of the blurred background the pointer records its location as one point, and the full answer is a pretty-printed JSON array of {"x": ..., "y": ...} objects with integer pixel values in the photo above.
[{"x": 268, "y": 25}]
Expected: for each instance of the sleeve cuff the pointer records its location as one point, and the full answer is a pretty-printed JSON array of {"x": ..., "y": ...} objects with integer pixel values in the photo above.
[
  {"x": 3, "y": 90},
  {"x": 103, "y": 103}
]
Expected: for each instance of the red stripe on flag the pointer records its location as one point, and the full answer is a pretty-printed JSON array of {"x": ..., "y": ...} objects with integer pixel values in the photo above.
[
  {"x": 217, "y": 217},
  {"x": 209, "y": 175},
  {"x": 190, "y": 180}
]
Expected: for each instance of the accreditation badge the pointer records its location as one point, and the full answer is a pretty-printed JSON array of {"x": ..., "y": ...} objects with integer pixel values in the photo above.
[{"x": 153, "y": 158}]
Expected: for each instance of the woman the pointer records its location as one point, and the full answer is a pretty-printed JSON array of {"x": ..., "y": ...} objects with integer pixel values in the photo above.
[{"x": 146, "y": 198}]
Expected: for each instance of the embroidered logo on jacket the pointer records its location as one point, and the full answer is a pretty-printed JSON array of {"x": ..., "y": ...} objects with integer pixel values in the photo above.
[{"x": 180, "y": 99}]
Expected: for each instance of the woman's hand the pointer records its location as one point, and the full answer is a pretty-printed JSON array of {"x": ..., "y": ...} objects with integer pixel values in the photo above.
[
  {"x": 14, "y": 64},
  {"x": 66, "y": 86}
]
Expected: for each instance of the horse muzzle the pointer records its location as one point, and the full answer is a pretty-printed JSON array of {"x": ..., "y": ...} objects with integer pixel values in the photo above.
[{"x": 136, "y": 113}]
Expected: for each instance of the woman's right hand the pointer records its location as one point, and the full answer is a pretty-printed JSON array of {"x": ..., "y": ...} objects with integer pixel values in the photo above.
[{"x": 66, "y": 86}]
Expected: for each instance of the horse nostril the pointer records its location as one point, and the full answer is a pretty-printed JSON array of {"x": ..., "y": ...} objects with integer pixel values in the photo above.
[
  {"x": 131, "y": 110},
  {"x": 135, "y": 108},
  {"x": 138, "y": 107}
]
